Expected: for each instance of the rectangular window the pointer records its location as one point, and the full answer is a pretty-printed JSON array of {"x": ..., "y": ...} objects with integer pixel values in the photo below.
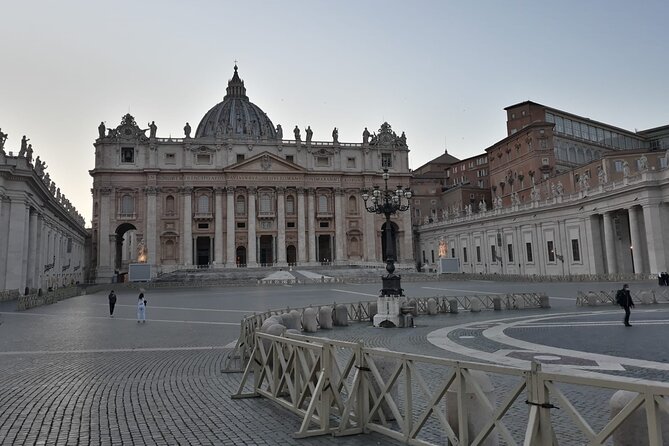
[
  {"x": 432, "y": 252},
  {"x": 478, "y": 254},
  {"x": 464, "y": 254},
  {"x": 509, "y": 249},
  {"x": 324, "y": 224},
  {"x": 424, "y": 259},
  {"x": 528, "y": 250},
  {"x": 203, "y": 158},
  {"x": 290, "y": 158},
  {"x": 350, "y": 162},
  {"x": 240, "y": 157},
  {"x": 69, "y": 244},
  {"x": 575, "y": 250},
  {"x": 386, "y": 160},
  {"x": 170, "y": 158},
  {"x": 203, "y": 225},
  {"x": 290, "y": 224},
  {"x": 567, "y": 127},
  {"x": 453, "y": 252},
  {"x": 322, "y": 161},
  {"x": 551, "y": 251},
  {"x": 619, "y": 166},
  {"x": 127, "y": 155},
  {"x": 493, "y": 253},
  {"x": 241, "y": 224}
]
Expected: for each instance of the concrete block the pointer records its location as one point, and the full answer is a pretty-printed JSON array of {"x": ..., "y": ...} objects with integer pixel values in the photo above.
[
  {"x": 432, "y": 306},
  {"x": 634, "y": 429},
  {"x": 340, "y": 316},
  {"x": 325, "y": 317},
  {"x": 310, "y": 320},
  {"x": 477, "y": 413}
]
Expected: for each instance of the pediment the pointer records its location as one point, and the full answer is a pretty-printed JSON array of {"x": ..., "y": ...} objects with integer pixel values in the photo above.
[{"x": 265, "y": 162}]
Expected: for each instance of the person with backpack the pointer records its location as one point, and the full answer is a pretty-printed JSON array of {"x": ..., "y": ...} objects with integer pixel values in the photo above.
[
  {"x": 112, "y": 303},
  {"x": 624, "y": 299}
]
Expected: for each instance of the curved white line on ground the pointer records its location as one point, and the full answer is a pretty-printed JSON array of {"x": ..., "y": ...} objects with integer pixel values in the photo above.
[{"x": 440, "y": 339}]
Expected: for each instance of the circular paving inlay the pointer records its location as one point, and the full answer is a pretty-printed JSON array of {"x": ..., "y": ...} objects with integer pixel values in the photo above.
[{"x": 547, "y": 358}]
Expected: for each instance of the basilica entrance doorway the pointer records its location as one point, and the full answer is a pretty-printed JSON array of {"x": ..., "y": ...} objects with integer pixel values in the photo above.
[
  {"x": 203, "y": 250},
  {"x": 241, "y": 256},
  {"x": 266, "y": 248},
  {"x": 324, "y": 248},
  {"x": 291, "y": 254}
]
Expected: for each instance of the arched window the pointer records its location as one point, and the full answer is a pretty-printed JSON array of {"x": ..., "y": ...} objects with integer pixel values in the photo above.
[
  {"x": 352, "y": 205},
  {"x": 323, "y": 204},
  {"x": 240, "y": 207},
  {"x": 203, "y": 204},
  {"x": 169, "y": 205},
  {"x": 169, "y": 249},
  {"x": 265, "y": 202},
  {"x": 290, "y": 204},
  {"x": 127, "y": 205}
]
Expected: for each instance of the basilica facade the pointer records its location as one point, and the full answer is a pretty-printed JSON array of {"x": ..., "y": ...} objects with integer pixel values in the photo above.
[{"x": 238, "y": 193}]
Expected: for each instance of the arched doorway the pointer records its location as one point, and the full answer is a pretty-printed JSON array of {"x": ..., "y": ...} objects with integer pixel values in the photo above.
[
  {"x": 241, "y": 256},
  {"x": 394, "y": 235},
  {"x": 126, "y": 249},
  {"x": 324, "y": 248},
  {"x": 291, "y": 254}
]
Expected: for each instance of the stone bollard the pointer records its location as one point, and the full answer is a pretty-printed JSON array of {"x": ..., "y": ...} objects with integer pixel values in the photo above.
[
  {"x": 475, "y": 305},
  {"x": 414, "y": 307},
  {"x": 634, "y": 430},
  {"x": 373, "y": 310},
  {"x": 591, "y": 298},
  {"x": 272, "y": 320},
  {"x": 291, "y": 320},
  {"x": 477, "y": 413},
  {"x": 310, "y": 320},
  {"x": 431, "y": 306},
  {"x": 340, "y": 316},
  {"x": 386, "y": 366},
  {"x": 325, "y": 317},
  {"x": 272, "y": 329},
  {"x": 544, "y": 301},
  {"x": 497, "y": 303},
  {"x": 453, "y": 306}
]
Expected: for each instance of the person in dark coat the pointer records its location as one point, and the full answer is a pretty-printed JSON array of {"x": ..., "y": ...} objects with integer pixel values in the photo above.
[
  {"x": 624, "y": 299},
  {"x": 112, "y": 303}
]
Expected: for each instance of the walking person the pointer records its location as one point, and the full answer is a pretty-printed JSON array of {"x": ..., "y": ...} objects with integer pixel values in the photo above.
[
  {"x": 112, "y": 303},
  {"x": 141, "y": 309},
  {"x": 624, "y": 299}
]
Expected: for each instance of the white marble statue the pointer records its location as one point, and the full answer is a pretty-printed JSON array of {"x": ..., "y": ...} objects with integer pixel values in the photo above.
[
  {"x": 643, "y": 163},
  {"x": 559, "y": 188},
  {"x": 626, "y": 169},
  {"x": 535, "y": 194},
  {"x": 601, "y": 176}
]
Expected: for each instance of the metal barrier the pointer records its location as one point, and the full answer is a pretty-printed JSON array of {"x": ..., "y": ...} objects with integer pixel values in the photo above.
[
  {"x": 344, "y": 388},
  {"x": 237, "y": 359},
  {"x": 608, "y": 297}
]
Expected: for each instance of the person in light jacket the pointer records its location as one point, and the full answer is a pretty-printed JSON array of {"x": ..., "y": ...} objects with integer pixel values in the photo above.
[{"x": 141, "y": 309}]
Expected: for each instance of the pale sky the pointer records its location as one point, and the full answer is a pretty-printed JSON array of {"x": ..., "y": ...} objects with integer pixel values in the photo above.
[{"x": 441, "y": 71}]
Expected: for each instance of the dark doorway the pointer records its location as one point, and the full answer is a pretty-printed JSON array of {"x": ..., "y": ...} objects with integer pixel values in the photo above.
[
  {"x": 241, "y": 256},
  {"x": 324, "y": 248},
  {"x": 291, "y": 254},
  {"x": 266, "y": 249},
  {"x": 394, "y": 234},
  {"x": 120, "y": 246},
  {"x": 203, "y": 250}
]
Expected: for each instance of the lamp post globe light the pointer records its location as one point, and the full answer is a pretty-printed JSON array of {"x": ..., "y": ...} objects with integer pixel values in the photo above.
[{"x": 388, "y": 202}]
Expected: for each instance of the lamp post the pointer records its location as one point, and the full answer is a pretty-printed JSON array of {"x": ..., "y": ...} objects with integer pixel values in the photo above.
[{"x": 388, "y": 202}]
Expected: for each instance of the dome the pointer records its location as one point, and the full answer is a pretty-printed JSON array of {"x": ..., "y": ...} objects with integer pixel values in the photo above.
[{"x": 236, "y": 116}]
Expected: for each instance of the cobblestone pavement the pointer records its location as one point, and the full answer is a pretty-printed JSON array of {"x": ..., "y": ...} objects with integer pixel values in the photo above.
[{"x": 70, "y": 374}]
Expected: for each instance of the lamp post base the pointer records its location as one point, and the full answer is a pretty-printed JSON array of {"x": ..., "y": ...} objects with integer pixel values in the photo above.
[
  {"x": 389, "y": 312},
  {"x": 391, "y": 285}
]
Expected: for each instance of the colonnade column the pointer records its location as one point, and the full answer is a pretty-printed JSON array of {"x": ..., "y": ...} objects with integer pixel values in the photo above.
[
  {"x": 32, "y": 250},
  {"x": 4, "y": 236},
  {"x": 187, "y": 233},
  {"x": 301, "y": 236},
  {"x": 218, "y": 226},
  {"x": 104, "y": 269},
  {"x": 637, "y": 251},
  {"x": 340, "y": 230},
  {"x": 252, "y": 242},
  {"x": 609, "y": 242},
  {"x": 369, "y": 236},
  {"x": 15, "y": 247},
  {"x": 230, "y": 227},
  {"x": 407, "y": 248},
  {"x": 657, "y": 258},
  {"x": 311, "y": 219},
  {"x": 281, "y": 226},
  {"x": 150, "y": 232}
]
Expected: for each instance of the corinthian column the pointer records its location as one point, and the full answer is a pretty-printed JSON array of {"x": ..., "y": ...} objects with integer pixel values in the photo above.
[
  {"x": 230, "y": 234},
  {"x": 105, "y": 270},
  {"x": 609, "y": 235},
  {"x": 218, "y": 226},
  {"x": 151, "y": 230},
  {"x": 187, "y": 236},
  {"x": 301, "y": 236},
  {"x": 340, "y": 230},
  {"x": 311, "y": 218},
  {"x": 635, "y": 235},
  {"x": 251, "y": 213},
  {"x": 281, "y": 226}
]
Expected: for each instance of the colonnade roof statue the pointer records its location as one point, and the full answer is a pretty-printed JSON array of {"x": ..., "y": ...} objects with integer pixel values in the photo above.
[{"x": 236, "y": 116}]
